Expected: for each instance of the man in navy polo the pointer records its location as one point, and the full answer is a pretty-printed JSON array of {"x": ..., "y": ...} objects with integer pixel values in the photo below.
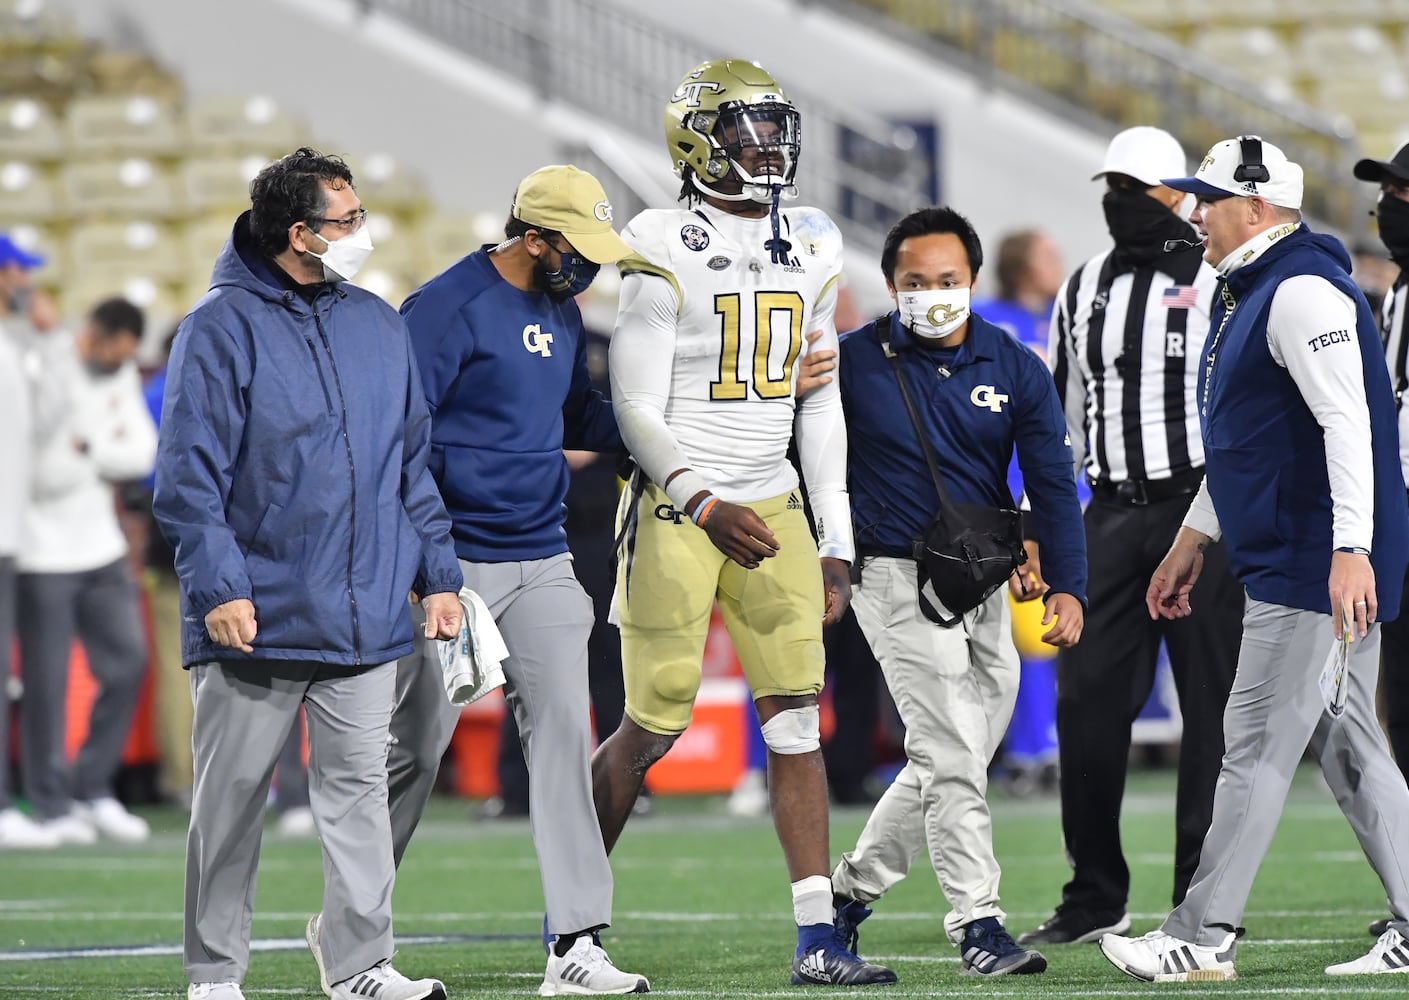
[{"x": 978, "y": 393}]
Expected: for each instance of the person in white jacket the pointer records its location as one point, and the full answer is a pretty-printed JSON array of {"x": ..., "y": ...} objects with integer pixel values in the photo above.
[
  {"x": 74, "y": 579},
  {"x": 24, "y": 315}
]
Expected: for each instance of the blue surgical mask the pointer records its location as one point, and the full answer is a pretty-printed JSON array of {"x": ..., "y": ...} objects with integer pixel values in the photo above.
[{"x": 573, "y": 276}]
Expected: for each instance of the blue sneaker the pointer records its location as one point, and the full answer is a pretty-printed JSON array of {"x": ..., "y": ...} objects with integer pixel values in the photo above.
[
  {"x": 849, "y": 914},
  {"x": 989, "y": 950},
  {"x": 830, "y": 964}
]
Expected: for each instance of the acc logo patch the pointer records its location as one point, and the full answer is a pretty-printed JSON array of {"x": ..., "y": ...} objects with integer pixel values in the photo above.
[
  {"x": 718, "y": 263},
  {"x": 694, "y": 237}
]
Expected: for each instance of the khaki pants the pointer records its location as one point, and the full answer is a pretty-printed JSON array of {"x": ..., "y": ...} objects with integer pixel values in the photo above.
[{"x": 173, "y": 686}]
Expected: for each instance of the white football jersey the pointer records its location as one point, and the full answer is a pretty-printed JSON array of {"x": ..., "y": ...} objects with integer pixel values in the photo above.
[{"x": 741, "y": 327}]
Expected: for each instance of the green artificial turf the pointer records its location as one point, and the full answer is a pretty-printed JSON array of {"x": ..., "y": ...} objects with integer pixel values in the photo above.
[{"x": 702, "y": 908}]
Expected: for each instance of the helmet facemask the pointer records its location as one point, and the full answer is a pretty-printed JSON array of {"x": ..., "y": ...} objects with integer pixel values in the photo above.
[{"x": 739, "y": 135}]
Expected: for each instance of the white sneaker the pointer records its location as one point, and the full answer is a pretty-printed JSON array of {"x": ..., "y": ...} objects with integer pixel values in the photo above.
[
  {"x": 310, "y": 934},
  {"x": 1157, "y": 957},
  {"x": 1390, "y": 954},
  {"x": 382, "y": 982},
  {"x": 586, "y": 969},
  {"x": 109, "y": 818},
  {"x": 214, "y": 991},
  {"x": 71, "y": 828},
  {"x": 297, "y": 824},
  {"x": 750, "y": 795},
  {"x": 20, "y": 833}
]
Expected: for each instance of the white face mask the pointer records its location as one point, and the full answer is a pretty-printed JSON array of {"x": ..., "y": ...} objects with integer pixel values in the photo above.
[
  {"x": 935, "y": 313},
  {"x": 344, "y": 258}
]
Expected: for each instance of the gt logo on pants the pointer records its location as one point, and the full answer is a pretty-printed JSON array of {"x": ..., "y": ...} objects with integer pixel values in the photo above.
[
  {"x": 536, "y": 341},
  {"x": 986, "y": 395}
]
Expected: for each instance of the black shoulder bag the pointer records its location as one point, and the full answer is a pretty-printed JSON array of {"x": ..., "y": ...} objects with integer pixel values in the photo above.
[{"x": 968, "y": 550}]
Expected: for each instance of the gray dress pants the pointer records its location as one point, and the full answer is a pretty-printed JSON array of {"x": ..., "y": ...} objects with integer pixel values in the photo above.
[
  {"x": 244, "y": 711},
  {"x": 7, "y": 636},
  {"x": 1274, "y": 713},
  {"x": 100, "y": 607},
  {"x": 545, "y": 618}
]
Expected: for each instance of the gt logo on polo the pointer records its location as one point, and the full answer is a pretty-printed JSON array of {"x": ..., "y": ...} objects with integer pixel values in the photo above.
[
  {"x": 940, "y": 313},
  {"x": 602, "y": 211},
  {"x": 986, "y": 395},
  {"x": 536, "y": 341}
]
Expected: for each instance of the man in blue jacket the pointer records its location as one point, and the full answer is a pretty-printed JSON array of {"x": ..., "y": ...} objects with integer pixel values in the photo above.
[
  {"x": 1302, "y": 481},
  {"x": 502, "y": 355},
  {"x": 978, "y": 393},
  {"x": 292, "y": 483}
]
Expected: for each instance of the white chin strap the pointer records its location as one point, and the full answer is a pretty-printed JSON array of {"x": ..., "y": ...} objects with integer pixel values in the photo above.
[{"x": 758, "y": 191}]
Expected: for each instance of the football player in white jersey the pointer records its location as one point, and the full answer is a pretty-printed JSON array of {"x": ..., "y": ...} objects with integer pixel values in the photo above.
[{"x": 714, "y": 309}]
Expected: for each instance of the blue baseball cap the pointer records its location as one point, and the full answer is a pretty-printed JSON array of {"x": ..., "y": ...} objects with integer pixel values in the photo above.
[{"x": 12, "y": 253}]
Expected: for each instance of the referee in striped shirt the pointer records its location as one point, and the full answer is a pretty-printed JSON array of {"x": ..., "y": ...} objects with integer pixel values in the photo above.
[
  {"x": 1392, "y": 215},
  {"x": 1126, "y": 343}
]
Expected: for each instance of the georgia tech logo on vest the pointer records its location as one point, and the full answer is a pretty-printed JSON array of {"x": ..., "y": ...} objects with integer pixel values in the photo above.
[
  {"x": 535, "y": 341},
  {"x": 941, "y": 313},
  {"x": 987, "y": 396}
]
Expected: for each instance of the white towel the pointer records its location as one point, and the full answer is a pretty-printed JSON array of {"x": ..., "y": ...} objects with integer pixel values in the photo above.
[{"x": 471, "y": 662}]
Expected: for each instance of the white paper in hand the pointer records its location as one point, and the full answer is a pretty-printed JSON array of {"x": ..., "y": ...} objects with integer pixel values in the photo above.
[{"x": 1333, "y": 681}]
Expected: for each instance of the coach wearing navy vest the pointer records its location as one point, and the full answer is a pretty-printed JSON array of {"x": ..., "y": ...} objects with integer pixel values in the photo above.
[{"x": 1303, "y": 483}]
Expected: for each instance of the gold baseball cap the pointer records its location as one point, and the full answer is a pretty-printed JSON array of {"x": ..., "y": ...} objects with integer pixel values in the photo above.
[{"x": 571, "y": 201}]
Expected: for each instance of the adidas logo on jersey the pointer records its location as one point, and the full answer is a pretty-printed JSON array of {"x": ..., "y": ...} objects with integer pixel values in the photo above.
[
  {"x": 793, "y": 502},
  {"x": 814, "y": 968}
]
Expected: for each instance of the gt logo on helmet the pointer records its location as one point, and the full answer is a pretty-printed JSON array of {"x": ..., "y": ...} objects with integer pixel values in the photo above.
[{"x": 690, "y": 92}]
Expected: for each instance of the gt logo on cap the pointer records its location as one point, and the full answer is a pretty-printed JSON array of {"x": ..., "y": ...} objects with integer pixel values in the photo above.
[{"x": 602, "y": 211}]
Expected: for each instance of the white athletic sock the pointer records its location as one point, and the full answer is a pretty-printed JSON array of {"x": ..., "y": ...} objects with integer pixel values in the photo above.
[{"x": 812, "y": 901}]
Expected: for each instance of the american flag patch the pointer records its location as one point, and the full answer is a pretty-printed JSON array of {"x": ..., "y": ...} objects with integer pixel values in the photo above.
[{"x": 1180, "y": 297}]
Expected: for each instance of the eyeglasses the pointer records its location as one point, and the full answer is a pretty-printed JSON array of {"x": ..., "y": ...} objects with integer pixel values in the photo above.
[{"x": 346, "y": 225}]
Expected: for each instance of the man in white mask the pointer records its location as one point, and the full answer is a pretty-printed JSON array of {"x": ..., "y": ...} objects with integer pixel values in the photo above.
[
  {"x": 977, "y": 394},
  {"x": 292, "y": 481}
]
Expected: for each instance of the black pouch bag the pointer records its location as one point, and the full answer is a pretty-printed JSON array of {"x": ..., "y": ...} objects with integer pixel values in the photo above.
[{"x": 968, "y": 550}]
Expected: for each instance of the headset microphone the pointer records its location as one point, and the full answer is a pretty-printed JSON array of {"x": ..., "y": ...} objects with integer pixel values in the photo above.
[{"x": 1172, "y": 245}]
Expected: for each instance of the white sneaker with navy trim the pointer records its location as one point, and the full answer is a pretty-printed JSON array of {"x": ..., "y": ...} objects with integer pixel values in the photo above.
[
  {"x": 1158, "y": 957},
  {"x": 382, "y": 982},
  {"x": 1390, "y": 954},
  {"x": 586, "y": 970}
]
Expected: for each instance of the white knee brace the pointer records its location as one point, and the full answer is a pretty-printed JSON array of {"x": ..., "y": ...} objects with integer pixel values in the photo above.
[{"x": 794, "y": 731}]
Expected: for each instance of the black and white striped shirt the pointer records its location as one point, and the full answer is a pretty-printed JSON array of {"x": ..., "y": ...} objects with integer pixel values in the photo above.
[
  {"x": 1394, "y": 333},
  {"x": 1125, "y": 348}
]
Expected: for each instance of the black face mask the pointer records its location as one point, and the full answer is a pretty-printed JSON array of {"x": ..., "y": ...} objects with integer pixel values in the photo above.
[
  {"x": 1393, "y": 214},
  {"x": 1140, "y": 225}
]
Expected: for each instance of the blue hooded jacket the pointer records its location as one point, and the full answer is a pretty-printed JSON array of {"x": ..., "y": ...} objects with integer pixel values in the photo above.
[{"x": 291, "y": 469}]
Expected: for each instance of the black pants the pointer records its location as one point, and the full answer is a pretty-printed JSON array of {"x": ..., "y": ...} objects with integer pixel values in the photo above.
[
  {"x": 1104, "y": 681},
  {"x": 855, "y": 680},
  {"x": 1394, "y": 682}
]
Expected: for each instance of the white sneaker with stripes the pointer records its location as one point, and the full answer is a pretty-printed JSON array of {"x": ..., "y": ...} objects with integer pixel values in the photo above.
[
  {"x": 586, "y": 970},
  {"x": 1390, "y": 954},
  {"x": 1158, "y": 957},
  {"x": 382, "y": 982}
]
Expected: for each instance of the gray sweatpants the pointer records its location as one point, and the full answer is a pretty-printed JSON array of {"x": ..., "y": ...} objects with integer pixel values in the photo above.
[
  {"x": 1274, "y": 712},
  {"x": 100, "y": 607},
  {"x": 244, "y": 711},
  {"x": 545, "y": 618}
]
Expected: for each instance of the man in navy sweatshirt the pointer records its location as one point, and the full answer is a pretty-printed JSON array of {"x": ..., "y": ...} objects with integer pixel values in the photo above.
[
  {"x": 978, "y": 393},
  {"x": 1302, "y": 481},
  {"x": 502, "y": 355}
]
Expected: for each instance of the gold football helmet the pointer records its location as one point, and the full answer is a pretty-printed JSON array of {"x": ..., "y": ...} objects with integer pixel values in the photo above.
[{"x": 723, "y": 108}]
